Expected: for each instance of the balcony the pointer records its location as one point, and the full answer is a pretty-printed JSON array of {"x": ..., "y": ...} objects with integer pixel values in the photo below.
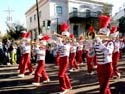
[{"x": 84, "y": 14}]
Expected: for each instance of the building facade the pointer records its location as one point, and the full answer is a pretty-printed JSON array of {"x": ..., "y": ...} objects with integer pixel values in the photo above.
[
  {"x": 79, "y": 14},
  {"x": 117, "y": 16}
]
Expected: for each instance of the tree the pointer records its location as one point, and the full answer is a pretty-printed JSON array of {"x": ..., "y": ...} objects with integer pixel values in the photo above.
[
  {"x": 14, "y": 31},
  {"x": 122, "y": 25}
]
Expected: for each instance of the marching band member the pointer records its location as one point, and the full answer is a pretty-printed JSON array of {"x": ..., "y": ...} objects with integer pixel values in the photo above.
[
  {"x": 115, "y": 57},
  {"x": 88, "y": 45},
  {"x": 80, "y": 50},
  {"x": 25, "y": 58},
  {"x": 72, "y": 59},
  {"x": 122, "y": 45},
  {"x": 103, "y": 51},
  {"x": 40, "y": 71},
  {"x": 64, "y": 50}
]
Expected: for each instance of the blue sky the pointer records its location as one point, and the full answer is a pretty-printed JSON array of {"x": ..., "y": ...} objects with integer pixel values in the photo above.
[{"x": 21, "y": 6}]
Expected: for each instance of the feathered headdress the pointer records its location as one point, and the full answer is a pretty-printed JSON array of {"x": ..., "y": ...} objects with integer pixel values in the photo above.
[
  {"x": 64, "y": 27},
  {"x": 26, "y": 35},
  {"x": 91, "y": 29},
  {"x": 72, "y": 36},
  {"x": 91, "y": 32},
  {"x": 104, "y": 21},
  {"x": 44, "y": 39},
  {"x": 113, "y": 29},
  {"x": 113, "y": 32},
  {"x": 81, "y": 38}
]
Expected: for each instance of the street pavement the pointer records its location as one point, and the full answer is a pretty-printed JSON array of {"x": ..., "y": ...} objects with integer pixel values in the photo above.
[{"x": 82, "y": 82}]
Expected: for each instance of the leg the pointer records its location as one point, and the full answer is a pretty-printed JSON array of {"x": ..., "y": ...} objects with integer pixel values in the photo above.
[
  {"x": 104, "y": 74},
  {"x": 89, "y": 63},
  {"x": 63, "y": 77},
  {"x": 115, "y": 63}
]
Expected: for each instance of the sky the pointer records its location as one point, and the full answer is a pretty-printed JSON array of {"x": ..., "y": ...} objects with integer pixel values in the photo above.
[{"x": 19, "y": 8}]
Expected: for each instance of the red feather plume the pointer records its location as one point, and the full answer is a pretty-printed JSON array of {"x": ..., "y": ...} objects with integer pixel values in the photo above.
[
  {"x": 104, "y": 21},
  {"x": 71, "y": 36},
  {"x": 64, "y": 27},
  {"x": 113, "y": 29}
]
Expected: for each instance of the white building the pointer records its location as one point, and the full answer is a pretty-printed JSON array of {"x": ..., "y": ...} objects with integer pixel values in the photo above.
[
  {"x": 117, "y": 16},
  {"x": 80, "y": 14}
]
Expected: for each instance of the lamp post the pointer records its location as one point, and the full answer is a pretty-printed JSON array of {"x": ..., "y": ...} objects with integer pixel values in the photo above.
[{"x": 37, "y": 8}]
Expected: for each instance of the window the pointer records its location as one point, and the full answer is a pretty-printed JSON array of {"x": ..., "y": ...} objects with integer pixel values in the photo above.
[
  {"x": 40, "y": 14},
  {"x": 34, "y": 17},
  {"x": 43, "y": 23},
  {"x": 30, "y": 19},
  {"x": 75, "y": 9},
  {"x": 59, "y": 9}
]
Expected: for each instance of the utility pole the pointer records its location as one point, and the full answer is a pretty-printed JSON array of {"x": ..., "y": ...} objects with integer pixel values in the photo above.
[
  {"x": 57, "y": 26},
  {"x": 37, "y": 8},
  {"x": 9, "y": 17}
]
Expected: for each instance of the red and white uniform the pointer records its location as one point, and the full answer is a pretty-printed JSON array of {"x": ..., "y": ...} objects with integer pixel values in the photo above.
[
  {"x": 80, "y": 48},
  {"x": 72, "y": 59},
  {"x": 56, "y": 54},
  {"x": 40, "y": 71},
  {"x": 104, "y": 65},
  {"x": 25, "y": 59},
  {"x": 115, "y": 57},
  {"x": 64, "y": 50},
  {"x": 122, "y": 45},
  {"x": 88, "y": 45}
]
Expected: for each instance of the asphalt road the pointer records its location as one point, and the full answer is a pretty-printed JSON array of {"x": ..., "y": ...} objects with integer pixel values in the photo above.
[{"x": 82, "y": 82}]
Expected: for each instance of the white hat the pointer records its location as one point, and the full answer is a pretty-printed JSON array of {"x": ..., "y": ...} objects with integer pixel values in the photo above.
[
  {"x": 104, "y": 31},
  {"x": 66, "y": 33},
  {"x": 114, "y": 35}
]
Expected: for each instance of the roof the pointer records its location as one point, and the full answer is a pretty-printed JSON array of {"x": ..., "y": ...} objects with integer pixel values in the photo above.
[
  {"x": 93, "y": 1},
  {"x": 34, "y": 6}
]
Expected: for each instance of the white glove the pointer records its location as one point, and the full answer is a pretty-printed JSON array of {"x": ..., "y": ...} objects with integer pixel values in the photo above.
[{"x": 98, "y": 40}]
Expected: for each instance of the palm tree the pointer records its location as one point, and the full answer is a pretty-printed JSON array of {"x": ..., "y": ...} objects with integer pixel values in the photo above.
[{"x": 14, "y": 30}]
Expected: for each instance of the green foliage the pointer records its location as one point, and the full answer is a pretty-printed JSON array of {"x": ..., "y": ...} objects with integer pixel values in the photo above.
[{"x": 14, "y": 31}]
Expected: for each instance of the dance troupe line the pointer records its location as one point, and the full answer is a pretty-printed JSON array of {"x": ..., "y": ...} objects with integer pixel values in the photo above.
[{"x": 101, "y": 48}]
